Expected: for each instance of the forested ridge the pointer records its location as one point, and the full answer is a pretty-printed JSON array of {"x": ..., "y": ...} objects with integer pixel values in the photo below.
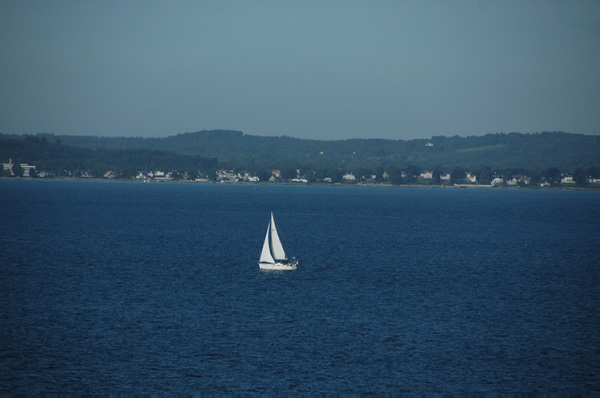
[
  {"x": 58, "y": 158},
  {"x": 208, "y": 150},
  {"x": 236, "y": 149}
]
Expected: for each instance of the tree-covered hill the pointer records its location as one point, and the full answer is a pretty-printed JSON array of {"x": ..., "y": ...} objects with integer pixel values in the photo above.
[
  {"x": 235, "y": 149},
  {"x": 57, "y": 158}
]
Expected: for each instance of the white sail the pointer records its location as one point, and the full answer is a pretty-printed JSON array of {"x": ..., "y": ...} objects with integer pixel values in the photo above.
[
  {"x": 265, "y": 255},
  {"x": 278, "y": 252},
  {"x": 273, "y": 256}
]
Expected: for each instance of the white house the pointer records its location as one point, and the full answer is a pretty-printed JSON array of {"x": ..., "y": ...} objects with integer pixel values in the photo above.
[
  {"x": 426, "y": 175},
  {"x": 445, "y": 177},
  {"x": 226, "y": 175},
  {"x": 524, "y": 179},
  {"x": 162, "y": 176},
  {"x": 27, "y": 169},
  {"x": 348, "y": 177},
  {"x": 567, "y": 180},
  {"x": 8, "y": 167},
  {"x": 471, "y": 177},
  {"x": 250, "y": 178}
]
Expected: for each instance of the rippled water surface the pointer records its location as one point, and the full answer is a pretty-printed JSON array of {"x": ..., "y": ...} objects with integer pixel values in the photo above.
[{"x": 112, "y": 287}]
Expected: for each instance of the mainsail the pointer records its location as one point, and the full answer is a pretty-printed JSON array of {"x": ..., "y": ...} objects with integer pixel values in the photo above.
[{"x": 278, "y": 252}]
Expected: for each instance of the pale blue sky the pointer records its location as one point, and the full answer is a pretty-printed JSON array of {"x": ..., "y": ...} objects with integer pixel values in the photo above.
[{"x": 308, "y": 69}]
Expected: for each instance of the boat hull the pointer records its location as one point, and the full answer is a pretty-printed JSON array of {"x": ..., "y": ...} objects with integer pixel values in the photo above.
[{"x": 278, "y": 266}]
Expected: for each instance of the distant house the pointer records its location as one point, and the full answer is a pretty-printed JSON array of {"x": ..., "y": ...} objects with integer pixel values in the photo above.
[
  {"x": 426, "y": 175},
  {"x": 429, "y": 144},
  {"x": 250, "y": 177},
  {"x": 348, "y": 177},
  {"x": 445, "y": 177},
  {"x": 44, "y": 174},
  {"x": 523, "y": 179},
  {"x": 512, "y": 182},
  {"x": 275, "y": 175},
  {"x": 497, "y": 181},
  {"x": 472, "y": 178},
  {"x": 27, "y": 169},
  {"x": 162, "y": 176},
  {"x": 567, "y": 180},
  {"x": 109, "y": 174},
  {"x": 8, "y": 167},
  {"x": 226, "y": 175}
]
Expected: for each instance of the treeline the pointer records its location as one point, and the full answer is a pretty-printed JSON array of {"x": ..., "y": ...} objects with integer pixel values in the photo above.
[
  {"x": 538, "y": 151},
  {"x": 56, "y": 159},
  {"x": 541, "y": 157},
  {"x": 59, "y": 159},
  {"x": 413, "y": 175}
]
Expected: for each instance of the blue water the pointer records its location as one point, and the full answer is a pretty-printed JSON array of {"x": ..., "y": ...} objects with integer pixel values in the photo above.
[{"x": 115, "y": 287}]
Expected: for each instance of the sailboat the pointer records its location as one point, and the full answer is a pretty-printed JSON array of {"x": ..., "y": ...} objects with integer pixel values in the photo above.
[{"x": 273, "y": 256}]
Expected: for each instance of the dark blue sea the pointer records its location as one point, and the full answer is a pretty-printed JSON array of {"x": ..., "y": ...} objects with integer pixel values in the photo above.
[{"x": 121, "y": 287}]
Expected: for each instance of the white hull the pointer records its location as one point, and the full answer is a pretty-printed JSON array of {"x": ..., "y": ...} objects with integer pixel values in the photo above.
[{"x": 278, "y": 266}]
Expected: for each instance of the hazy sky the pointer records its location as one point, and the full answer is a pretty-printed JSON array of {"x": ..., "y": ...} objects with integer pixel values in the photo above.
[{"x": 308, "y": 69}]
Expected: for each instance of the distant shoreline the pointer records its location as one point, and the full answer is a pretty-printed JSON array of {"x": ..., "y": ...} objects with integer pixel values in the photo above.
[{"x": 339, "y": 184}]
